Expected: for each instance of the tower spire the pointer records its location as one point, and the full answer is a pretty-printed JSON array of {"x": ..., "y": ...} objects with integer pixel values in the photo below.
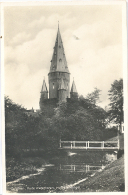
[
  {"x": 59, "y": 62},
  {"x": 59, "y": 76}
]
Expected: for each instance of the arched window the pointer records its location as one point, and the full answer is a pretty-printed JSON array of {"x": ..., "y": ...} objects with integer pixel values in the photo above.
[
  {"x": 60, "y": 60},
  {"x": 53, "y": 85}
]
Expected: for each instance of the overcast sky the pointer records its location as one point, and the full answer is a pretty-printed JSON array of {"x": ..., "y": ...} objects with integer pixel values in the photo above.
[{"x": 94, "y": 58}]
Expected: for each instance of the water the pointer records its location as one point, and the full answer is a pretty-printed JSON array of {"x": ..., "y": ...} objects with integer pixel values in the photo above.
[{"x": 62, "y": 173}]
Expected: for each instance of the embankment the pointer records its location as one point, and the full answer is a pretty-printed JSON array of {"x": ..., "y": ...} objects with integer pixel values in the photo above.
[{"x": 111, "y": 179}]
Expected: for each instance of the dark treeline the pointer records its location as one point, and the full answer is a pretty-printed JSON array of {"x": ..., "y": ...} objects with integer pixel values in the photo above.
[
  {"x": 75, "y": 120},
  {"x": 78, "y": 119}
]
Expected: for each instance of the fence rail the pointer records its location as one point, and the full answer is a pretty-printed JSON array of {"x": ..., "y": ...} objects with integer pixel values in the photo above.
[{"x": 89, "y": 144}]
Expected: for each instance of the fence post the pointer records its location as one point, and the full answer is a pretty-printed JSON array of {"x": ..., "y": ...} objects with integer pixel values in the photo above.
[
  {"x": 103, "y": 144},
  {"x": 88, "y": 144},
  {"x": 60, "y": 143},
  {"x": 74, "y": 144}
]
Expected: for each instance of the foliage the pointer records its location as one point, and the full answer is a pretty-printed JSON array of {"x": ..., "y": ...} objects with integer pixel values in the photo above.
[
  {"x": 20, "y": 129},
  {"x": 74, "y": 120},
  {"x": 94, "y": 97},
  {"x": 115, "y": 112},
  {"x": 78, "y": 120}
]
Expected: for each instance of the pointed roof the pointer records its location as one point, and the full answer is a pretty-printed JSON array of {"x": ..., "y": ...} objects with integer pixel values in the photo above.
[
  {"x": 59, "y": 62},
  {"x": 44, "y": 87},
  {"x": 62, "y": 85},
  {"x": 73, "y": 88}
]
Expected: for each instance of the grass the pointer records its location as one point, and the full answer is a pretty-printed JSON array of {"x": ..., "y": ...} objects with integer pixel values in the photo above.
[
  {"x": 111, "y": 179},
  {"x": 17, "y": 168}
]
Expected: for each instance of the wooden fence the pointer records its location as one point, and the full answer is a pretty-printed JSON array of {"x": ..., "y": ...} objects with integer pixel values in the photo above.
[{"x": 109, "y": 145}]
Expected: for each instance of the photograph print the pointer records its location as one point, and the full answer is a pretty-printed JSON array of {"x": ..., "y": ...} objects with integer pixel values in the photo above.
[{"x": 64, "y": 97}]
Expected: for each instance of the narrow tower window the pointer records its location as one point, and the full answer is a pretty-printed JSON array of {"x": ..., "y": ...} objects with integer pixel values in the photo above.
[
  {"x": 53, "y": 85},
  {"x": 60, "y": 60}
]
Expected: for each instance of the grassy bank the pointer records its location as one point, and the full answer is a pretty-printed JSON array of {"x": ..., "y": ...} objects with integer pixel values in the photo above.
[
  {"x": 111, "y": 179},
  {"x": 17, "y": 168}
]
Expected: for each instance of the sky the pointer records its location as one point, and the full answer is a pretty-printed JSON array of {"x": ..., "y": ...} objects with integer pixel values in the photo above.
[{"x": 94, "y": 58}]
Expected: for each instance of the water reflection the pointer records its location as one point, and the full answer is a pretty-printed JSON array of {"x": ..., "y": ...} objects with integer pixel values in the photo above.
[
  {"x": 61, "y": 171},
  {"x": 80, "y": 168}
]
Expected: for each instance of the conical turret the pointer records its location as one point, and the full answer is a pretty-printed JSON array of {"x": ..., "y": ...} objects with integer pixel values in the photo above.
[
  {"x": 44, "y": 94},
  {"x": 73, "y": 93},
  {"x": 73, "y": 88},
  {"x": 44, "y": 87}
]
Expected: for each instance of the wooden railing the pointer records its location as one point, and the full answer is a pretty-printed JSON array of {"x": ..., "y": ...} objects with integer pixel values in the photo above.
[{"x": 89, "y": 144}]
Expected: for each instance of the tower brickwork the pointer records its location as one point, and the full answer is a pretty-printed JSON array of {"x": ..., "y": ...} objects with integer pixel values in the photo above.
[
  {"x": 55, "y": 81},
  {"x": 61, "y": 91},
  {"x": 59, "y": 80}
]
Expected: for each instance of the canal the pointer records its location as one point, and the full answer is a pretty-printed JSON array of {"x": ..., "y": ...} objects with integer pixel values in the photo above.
[{"x": 62, "y": 172}]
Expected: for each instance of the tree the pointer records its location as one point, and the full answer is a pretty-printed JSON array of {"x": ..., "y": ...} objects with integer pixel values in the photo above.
[
  {"x": 98, "y": 113},
  {"x": 20, "y": 129},
  {"x": 115, "y": 112},
  {"x": 15, "y": 120},
  {"x": 94, "y": 97}
]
